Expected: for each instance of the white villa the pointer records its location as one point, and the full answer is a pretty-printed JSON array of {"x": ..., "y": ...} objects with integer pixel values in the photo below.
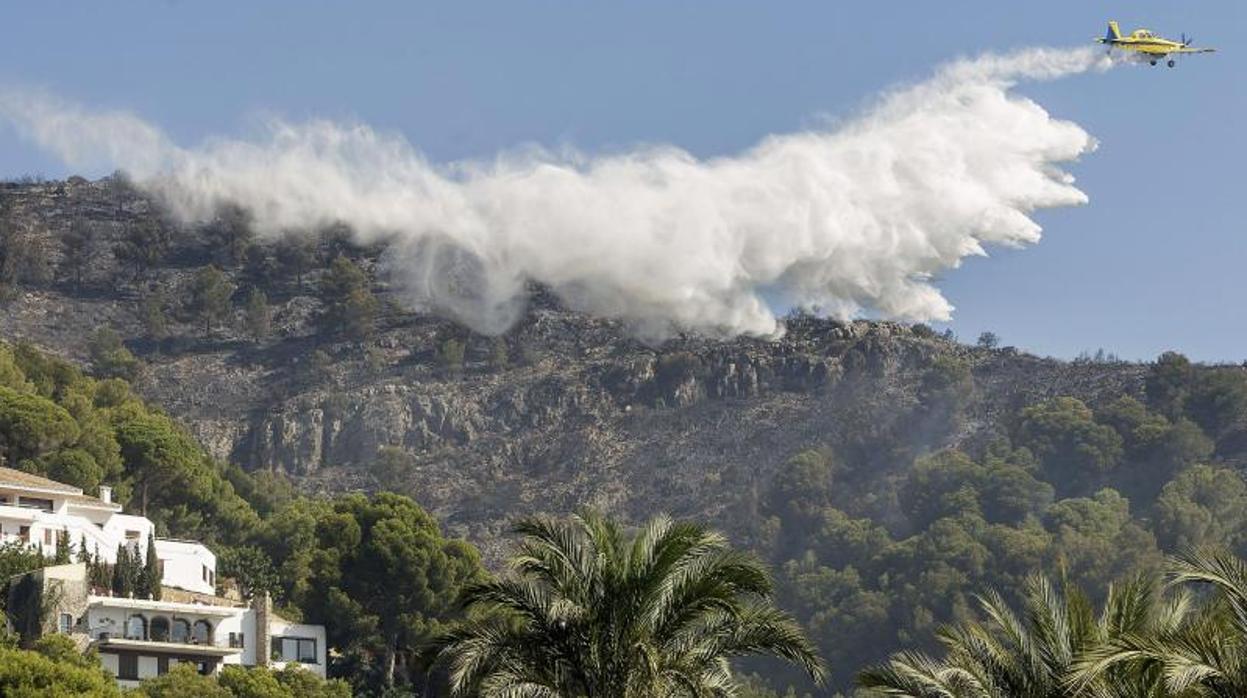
[{"x": 138, "y": 638}]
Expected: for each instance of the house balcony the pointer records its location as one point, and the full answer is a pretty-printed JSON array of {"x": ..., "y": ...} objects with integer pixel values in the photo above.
[
  {"x": 169, "y": 628},
  {"x": 24, "y": 513},
  {"x": 189, "y": 650}
]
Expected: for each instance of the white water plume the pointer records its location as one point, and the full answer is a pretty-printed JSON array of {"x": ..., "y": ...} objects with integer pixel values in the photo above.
[{"x": 860, "y": 217}]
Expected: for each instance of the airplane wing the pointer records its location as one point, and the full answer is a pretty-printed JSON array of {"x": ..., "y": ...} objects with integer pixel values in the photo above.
[{"x": 1194, "y": 50}]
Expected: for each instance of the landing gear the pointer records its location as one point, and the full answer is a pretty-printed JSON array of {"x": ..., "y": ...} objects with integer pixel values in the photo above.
[
  {"x": 1153, "y": 61},
  {"x": 1172, "y": 63}
]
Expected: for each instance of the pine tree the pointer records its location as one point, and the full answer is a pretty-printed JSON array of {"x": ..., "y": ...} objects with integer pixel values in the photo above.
[
  {"x": 210, "y": 296},
  {"x": 350, "y": 308},
  {"x": 101, "y": 576},
  {"x": 76, "y": 246},
  {"x": 123, "y": 574},
  {"x": 258, "y": 316},
  {"x": 94, "y": 565},
  {"x": 150, "y": 576},
  {"x": 84, "y": 555},
  {"x": 136, "y": 568},
  {"x": 155, "y": 316},
  {"x": 62, "y": 548},
  {"x": 141, "y": 589}
]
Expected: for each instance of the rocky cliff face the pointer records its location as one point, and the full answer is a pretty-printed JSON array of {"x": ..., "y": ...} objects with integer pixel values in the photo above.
[{"x": 563, "y": 411}]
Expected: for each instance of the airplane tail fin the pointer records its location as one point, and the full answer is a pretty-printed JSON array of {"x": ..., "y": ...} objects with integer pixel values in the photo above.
[{"x": 1114, "y": 32}]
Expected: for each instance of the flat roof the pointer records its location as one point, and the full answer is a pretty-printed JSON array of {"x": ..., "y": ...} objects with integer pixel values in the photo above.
[{"x": 163, "y": 606}]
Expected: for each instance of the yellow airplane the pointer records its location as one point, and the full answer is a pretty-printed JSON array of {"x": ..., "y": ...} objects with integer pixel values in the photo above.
[{"x": 1146, "y": 46}]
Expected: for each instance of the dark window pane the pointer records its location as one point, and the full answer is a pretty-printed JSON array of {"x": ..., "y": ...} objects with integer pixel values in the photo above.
[
  {"x": 159, "y": 629},
  {"x": 201, "y": 633},
  {"x": 181, "y": 630},
  {"x": 127, "y": 666}
]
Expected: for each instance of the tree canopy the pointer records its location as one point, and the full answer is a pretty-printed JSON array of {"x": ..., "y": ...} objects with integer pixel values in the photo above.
[{"x": 593, "y": 611}]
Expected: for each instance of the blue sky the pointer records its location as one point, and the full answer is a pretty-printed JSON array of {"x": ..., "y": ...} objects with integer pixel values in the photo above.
[{"x": 1153, "y": 263}]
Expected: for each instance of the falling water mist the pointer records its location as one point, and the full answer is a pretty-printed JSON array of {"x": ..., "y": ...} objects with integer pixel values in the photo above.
[{"x": 856, "y": 218}]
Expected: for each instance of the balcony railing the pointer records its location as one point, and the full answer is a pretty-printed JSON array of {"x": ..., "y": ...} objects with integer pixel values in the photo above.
[
  {"x": 24, "y": 505},
  {"x": 108, "y": 635},
  {"x": 171, "y": 647}
]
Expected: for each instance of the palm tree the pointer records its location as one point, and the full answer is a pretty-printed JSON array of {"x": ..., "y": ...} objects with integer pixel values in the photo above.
[
  {"x": 589, "y": 611},
  {"x": 1205, "y": 656},
  {"x": 1033, "y": 654}
]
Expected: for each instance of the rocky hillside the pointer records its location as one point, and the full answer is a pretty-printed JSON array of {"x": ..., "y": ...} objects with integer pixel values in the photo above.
[{"x": 562, "y": 411}]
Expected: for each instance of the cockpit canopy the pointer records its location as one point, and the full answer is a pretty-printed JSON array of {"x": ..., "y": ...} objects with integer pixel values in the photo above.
[{"x": 1143, "y": 34}]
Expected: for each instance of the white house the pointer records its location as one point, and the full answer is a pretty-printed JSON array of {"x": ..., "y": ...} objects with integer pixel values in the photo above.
[
  {"x": 37, "y": 511},
  {"x": 138, "y": 638}
]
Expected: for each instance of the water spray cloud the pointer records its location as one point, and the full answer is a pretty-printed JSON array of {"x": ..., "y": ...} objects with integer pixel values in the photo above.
[{"x": 856, "y": 218}]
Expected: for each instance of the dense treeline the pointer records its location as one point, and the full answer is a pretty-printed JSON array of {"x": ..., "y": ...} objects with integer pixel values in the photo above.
[
  {"x": 874, "y": 558},
  {"x": 1147, "y": 640}
]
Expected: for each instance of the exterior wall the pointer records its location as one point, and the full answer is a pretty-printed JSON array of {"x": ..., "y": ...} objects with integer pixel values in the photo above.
[
  {"x": 111, "y": 665},
  {"x": 148, "y": 667},
  {"x": 65, "y": 585},
  {"x": 103, "y": 530},
  {"x": 121, "y": 527},
  {"x": 187, "y": 565},
  {"x": 68, "y": 585},
  {"x": 281, "y": 628}
]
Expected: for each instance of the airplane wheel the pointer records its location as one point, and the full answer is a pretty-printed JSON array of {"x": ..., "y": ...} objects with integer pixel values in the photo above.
[
  {"x": 1152, "y": 62},
  {"x": 1172, "y": 63}
]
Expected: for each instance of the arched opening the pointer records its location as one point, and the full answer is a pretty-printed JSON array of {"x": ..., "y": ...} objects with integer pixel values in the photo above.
[
  {"x": 181, "y": 630},
  {"x": 158, "y": 629},
  {"x": 201, "y": 634},
  {"x": 136, "y": 627}
]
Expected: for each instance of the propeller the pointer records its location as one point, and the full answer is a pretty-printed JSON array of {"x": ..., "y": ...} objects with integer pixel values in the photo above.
[{"x": 1186, "y": 41}]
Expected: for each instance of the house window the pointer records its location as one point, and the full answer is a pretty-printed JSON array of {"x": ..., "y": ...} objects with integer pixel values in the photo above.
[
  {"x": 65, "y": 623},
  {"x": 295, "y": 649},
  {"x": 24, "y": 533},
  {"x": 136, "y": 627},
  {"x": 237, "y": 640},
  {"x": 128, "y": 666},
  {"x": 159, "y": 629},
  {"x": 205, "y": 572},
  {"x": 181, "y": 630},
  {"x": 35, "y": 503},
  {"x": 162, "y": 666},
  {"x": 47, "y": 536},
  {"x": 201, "y": 633}
]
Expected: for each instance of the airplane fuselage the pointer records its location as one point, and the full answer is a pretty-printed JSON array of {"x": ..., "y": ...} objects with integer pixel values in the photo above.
[
  {"x": 1154, "y": 46},
  {"x": 1145, "y": 45}
]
